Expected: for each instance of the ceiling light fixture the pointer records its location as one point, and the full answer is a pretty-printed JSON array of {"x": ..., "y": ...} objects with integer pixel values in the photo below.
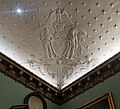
[{"x": 19, "y": 11}]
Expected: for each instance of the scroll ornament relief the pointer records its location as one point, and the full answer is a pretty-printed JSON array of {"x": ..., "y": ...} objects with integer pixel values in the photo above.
[{"x": 61, "y": 41}]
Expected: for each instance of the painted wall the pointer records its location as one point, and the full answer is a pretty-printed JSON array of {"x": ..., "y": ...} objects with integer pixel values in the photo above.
[
  {"x": 13, "y": 93},
  {"x": 112, "y": 84}
]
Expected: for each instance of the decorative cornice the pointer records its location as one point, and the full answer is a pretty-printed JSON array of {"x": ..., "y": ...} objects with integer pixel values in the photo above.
[
  {"x": 92, "y": 78},
  {"x": 15, "y": 71}
]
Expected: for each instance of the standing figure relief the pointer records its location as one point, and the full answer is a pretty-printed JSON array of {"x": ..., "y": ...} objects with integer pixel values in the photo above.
[
  {"x": 46, "y": 39},
  {"x": 72, "y": 43}
]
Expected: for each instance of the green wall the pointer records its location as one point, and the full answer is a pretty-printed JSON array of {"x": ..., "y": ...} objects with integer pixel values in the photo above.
[
  {"x": 112, "y": 84},
  {"x": 13, "y": 93}
]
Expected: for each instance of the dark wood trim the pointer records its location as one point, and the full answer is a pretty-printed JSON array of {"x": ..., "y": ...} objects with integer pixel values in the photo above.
[{"x": 24, "y": 106}]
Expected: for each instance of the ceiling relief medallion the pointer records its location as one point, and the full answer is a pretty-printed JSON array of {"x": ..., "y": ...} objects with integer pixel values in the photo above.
[{"x": 61, "y": 41}]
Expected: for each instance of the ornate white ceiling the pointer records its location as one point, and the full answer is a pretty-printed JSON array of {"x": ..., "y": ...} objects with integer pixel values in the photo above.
[{"x": 59, "y": 41}]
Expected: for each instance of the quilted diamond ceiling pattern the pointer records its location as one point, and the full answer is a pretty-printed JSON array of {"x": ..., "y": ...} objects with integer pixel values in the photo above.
[{"x": 59, "y": 40}]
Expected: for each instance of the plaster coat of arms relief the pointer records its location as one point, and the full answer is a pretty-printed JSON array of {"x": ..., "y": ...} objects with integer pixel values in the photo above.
[{"x": 62, "y": 46}]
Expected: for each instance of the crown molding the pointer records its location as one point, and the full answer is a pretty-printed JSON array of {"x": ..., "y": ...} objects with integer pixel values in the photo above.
[{"x": 18, "y": 73}]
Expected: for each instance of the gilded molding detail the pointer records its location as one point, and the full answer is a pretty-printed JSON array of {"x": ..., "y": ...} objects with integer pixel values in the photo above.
[{"x": 105, "y": 100}]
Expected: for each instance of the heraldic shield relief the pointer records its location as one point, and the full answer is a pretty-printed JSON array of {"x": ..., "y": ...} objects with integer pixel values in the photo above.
[{"x": 62, "y": 45}]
